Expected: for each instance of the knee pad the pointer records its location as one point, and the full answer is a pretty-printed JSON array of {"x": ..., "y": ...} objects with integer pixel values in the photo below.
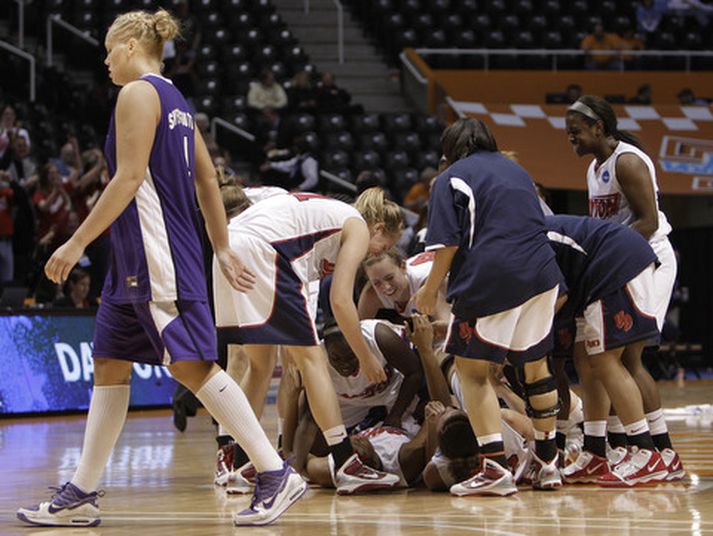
[{"x": 541, "y": 387}]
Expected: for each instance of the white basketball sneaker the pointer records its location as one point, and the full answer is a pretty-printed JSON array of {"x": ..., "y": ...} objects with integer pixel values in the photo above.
[
  {"x": 355, "y": 477},
  {"x": 68, "y": 507},
  {"x": 493, "y": 479}
]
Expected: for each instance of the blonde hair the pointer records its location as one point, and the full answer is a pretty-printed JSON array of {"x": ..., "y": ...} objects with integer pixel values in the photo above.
[
  {"x": 375, "y": 208},
  {"x": 511, "y": 155},
  {"x": 152, "y": 30},
  {"x": 233, "y": 196}
]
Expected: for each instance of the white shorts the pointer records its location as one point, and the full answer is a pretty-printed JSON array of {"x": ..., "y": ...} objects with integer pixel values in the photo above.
[{"x": 523, "y": 332}]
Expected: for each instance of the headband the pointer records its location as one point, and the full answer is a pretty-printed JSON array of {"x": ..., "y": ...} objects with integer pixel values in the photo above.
[{"x": 583, "y": 109}]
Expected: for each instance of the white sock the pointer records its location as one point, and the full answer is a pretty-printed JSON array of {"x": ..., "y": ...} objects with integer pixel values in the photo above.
[
  {"x": 595, "y": 428},
  {"x": 226, "y": 402},
  {"x": 335, "y": 435},
  {"x": 614, "y": 425},
  {"x": 636, "y": 428},
  {"x": 490, "y": 438},
  {"x": 106, "y": 417},
  {"x": 657, "y": 422}
]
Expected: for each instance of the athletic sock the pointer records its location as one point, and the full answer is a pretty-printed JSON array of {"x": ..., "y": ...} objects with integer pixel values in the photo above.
[
  {"x": 492, "y": 447},
  {"x": 106, "y": 417},
  {"x": 616, "y": 435},
  {"x": 561, "y": 438},
  {"x": 339, "y": 445},
  {"x": 545, "y": 445},
  {"x": 226, "y": 402},
  {"x": 595, "y": 438},
  {"x": 658, "y": 429},
  {"x": 638, "y": 435}
]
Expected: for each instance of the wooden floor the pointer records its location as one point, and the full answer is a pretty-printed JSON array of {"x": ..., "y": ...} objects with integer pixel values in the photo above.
[{"x": 159, "y": 483}]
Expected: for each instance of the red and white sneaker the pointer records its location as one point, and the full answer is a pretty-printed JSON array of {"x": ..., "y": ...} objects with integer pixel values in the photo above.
[
  {"x": 586, "y": 469},
  {"x": 673, "y": 465},
  {"x": 355, "y": 477},
  {"x": 493, "y": 479},
  {"x": 643, "y": 466},
  {"x": 223, "y": 465},
  {"x": 617, "y": 455},
  {"x": 545, "y": 476},
  {"x": 242, "y": 480}
]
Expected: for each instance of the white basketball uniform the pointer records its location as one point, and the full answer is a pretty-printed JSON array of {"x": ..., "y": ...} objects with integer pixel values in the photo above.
[
  {"x": 357, "y": 395},
  {"x": 259, "y": 193},
  {"x": 288, "y": 241},
  {"x": 387, "y": 443},
  {"x": 607, "y": 201},
  {"x": 417, "y": 269}
]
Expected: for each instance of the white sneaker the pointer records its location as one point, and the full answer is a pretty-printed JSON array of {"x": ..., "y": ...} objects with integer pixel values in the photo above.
[
  {"x": 546, "y": 476},
  {"x": 586, "y": 469},
  {"x": 223, "y": 465},
  {"x": 617, "y": 455},
  {"x": 275, "y": 492},
  {"x": 68, "y": 507},
  {"x": 642, "y": 466},
  {"x": 355, "y": 477},
  {"x": 242, "y": 480},
  {"x": 673, "y": 465},
  {"x": 493, "y": 479}
]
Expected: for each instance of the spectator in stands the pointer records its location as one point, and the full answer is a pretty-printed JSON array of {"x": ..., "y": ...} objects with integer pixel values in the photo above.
[
  {"x": 296, "y": 169},
  {"x": 68, "y": 163},
  {"x": 266, "y": 92},
  {"x": 648, "y": 17},
  {"x": 7, "y": 201},
  {"x": 601, "y": 41},
  {"x": 643, "y": 95},
  {"x": 686, "y": 97},
  {"x": 417, "y": 196},
  {"x": 573, "y": 92},
  {"x": 53, "y": 206},
  {"x": 330, "y": 97},
  {"x": 75, "y": 293},
  {"x": 203, "y": 123},
  {"x": 272, "y": 132},
  {"x": 301, "y": 95},
  {"x": 10, "y": 128},
  {"x": 23, "y": 167},
  {"x": 631, "y": 41},
  {"x": 190, "y": 28}
]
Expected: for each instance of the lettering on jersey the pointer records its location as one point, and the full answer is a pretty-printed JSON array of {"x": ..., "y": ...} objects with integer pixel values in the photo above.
[
  {"x": 180, "y": 118},
  {"x": 326, "y": 268},
  {"x": 604, "y": 206},
  {"x": 605, "y": 176},
  {"x": 623, "y": 321},
  {"x": 423, "y": 258},
  {"x": 465, "y": 332}
]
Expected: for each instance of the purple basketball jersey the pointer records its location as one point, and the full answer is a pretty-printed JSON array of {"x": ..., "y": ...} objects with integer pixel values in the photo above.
[{"x": 157, "y": 253}]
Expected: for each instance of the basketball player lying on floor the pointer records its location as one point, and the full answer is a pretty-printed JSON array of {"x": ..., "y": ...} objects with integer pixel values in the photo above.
[
  {"x": 364, "y": 403},
  {"x": 609, "y": 270},
  {"x": 290, "y": 241}
]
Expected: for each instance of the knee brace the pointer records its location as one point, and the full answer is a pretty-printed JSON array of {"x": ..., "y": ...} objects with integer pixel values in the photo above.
[{"x": 541, "y": 387}]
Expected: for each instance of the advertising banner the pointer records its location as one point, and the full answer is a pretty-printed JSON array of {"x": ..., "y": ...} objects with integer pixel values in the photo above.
[{"x": 47, "y": 366}]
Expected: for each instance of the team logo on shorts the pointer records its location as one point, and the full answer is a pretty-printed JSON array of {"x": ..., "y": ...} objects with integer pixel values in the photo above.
[
  {"x": 465, "y": 332},
  {"x": 623, "y": 321}
]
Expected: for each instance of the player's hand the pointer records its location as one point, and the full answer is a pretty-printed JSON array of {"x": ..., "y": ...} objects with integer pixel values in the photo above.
[
  {"x": 425, "y": 300},
  {"x": 240, "y": 277},
  {"x": 63, "y": 260},
  {"x": 373, "y": 371},
  {"x": 422, "y": 333},
  {"x": 433, "y": 410}
]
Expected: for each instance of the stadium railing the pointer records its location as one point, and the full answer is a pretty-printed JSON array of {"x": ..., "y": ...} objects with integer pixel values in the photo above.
[
  {"x": 33, "y": 70},
  {"x": 56, "y": 19}
]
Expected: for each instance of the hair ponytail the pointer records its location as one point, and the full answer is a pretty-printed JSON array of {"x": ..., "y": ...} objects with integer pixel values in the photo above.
[
  {"x": 375, "y": 208},
  {"x": 152, "y": 30}
]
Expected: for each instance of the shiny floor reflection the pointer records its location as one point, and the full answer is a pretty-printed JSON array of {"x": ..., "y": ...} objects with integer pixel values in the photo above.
[{"x": 159, "y": 482}]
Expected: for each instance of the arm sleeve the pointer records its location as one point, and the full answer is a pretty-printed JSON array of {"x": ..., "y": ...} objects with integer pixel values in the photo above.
[{"x": 444, "y": 227}]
